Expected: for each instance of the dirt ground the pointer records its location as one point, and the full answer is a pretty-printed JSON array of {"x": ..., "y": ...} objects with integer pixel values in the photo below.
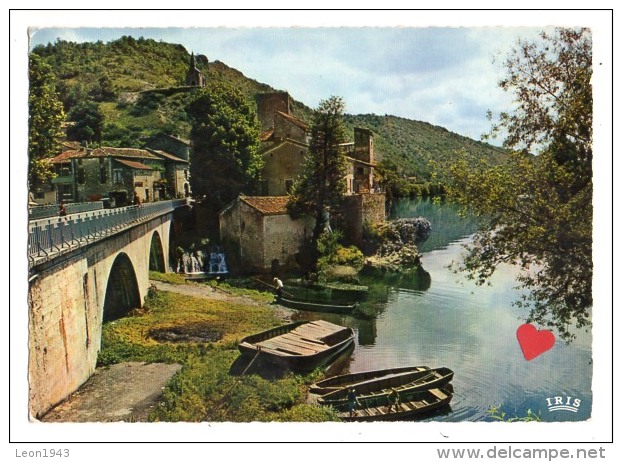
[{"x": 128, "y": 391}]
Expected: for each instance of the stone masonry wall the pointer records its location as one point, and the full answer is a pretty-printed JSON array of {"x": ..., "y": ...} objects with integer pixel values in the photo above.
[
  {"x": 268, "y": 104},
  {"x": 361, "y": 208},
  {"x": 66, "y": 301}
]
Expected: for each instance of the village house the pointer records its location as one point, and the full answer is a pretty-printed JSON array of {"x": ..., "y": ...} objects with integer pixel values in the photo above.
[
  {"x": 115, "y": 174},
  {"x": 259, "y": 236},
  {"x": 175, "y": 145},
  {"x": 257, "y": 231},
  {"x": 285, "y": 142}
]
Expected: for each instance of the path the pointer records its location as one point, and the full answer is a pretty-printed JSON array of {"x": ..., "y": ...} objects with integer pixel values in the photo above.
[
  {"x": 128, "y": 391},
  {"x": 123, "y": 392},
  {"x": 215, "y": 293}
]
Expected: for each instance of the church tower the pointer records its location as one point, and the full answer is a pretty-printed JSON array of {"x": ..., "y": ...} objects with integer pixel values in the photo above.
[{"x": 194, "y": 77}]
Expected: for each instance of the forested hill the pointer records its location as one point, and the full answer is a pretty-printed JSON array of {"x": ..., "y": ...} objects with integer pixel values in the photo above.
[{"x": 116, "y": 75}]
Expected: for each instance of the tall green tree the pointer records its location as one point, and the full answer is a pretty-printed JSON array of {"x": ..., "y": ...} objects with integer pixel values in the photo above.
[
  {"x": 322, "y": 186},
  {"x": 225, "y": 137},
  {"x": 45, "y": 118},
  {"x": 88, "y": 122},
  {"x": 536, "y": 210}
]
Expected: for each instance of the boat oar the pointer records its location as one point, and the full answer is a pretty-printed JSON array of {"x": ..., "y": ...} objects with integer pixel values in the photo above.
[{"x": 271, "y": 286}]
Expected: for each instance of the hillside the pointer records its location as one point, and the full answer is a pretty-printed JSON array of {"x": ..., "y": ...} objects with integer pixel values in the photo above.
[{"x": 128, "y": 78}]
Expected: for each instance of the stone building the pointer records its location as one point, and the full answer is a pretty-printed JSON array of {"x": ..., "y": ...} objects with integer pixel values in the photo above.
[
  {"x": 258, "y": 235},
  {"x": 87, "y": 174},
  {"x": 285, "y": 142},
  {"x": 194, "y": 77},
  {"x": 172, "y": 144},
  {"x": 361, "y": 163}
]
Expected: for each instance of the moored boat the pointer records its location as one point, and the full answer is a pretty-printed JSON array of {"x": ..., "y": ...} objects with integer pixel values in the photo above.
[
  {"x": 410, "y": 406},
  {"x": 300, "y": 346},
  {"x": 339, "y": 382},
  {"x": 403, "y": 383},
  {"x": 312, "y": 305}
]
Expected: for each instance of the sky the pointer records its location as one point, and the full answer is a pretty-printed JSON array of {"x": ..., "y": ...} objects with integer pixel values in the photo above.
[
  {"x": 444, "y": 76},
  {"x": 434, "y": 66},
  {"x": 438, "y": 67}
]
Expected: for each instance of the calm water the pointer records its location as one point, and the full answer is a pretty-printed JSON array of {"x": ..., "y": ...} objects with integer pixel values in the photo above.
[{"x": 438, "y": 318}]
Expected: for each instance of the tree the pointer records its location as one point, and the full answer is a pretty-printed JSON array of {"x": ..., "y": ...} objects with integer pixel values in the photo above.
[
  {"x": 88, "y": 122},
  {"x": 536, "y": 210},
  {"x": 322, "y": 186},
  {"x": 225, "y": 136},
  {"x": 45, "y": 118},
  {"x": 392, "y": 179}
]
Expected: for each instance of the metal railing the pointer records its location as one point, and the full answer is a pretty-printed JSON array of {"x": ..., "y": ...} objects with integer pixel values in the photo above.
[
  {"x": 52, "y": 235},
  {"x": 46, "y": 211}
]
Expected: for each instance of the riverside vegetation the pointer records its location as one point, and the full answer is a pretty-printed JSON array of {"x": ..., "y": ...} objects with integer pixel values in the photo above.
[{"x": 204, "y": 390}]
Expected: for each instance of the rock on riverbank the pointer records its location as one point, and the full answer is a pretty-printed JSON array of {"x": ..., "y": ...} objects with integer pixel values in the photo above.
[{"x": 398, "y": 245}]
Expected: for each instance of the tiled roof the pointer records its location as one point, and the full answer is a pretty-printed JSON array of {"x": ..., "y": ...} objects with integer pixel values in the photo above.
[
  {"x": 168, "y": 156},
  {"x": 132, "y": 153},
  {"x": 357, "y": 161},
  {"x": 265, "y": 136},
  {"x": 123, "y": 152},
  {"x": 294, "y": 120},
  {"x": 65, "y": 156},
  {"x": 274, "y": 147},
  {"x": 134, "y": 165},
  {"x": 267, "y": 205}
]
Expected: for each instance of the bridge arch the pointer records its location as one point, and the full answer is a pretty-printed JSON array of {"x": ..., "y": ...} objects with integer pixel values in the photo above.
[
  {"x": 122, "y": 293},
  {"x": 156, "y": 254}
]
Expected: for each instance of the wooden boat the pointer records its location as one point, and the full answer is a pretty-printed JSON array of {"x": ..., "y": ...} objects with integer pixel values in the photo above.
[
  {"x": 300, "y": 346},
  {"x": 412, "y": 405},
  {"x": 339, "y": 382},
  {"x": 309, "y": 305},
  {"x": 403, "y": 383}
]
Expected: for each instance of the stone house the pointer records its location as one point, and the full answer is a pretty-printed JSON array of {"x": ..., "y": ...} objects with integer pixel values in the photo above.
[
  {"x": 259, "y": 236},
  {"x": 172, "y": 144},
  {"x": 285, "y": 142},
  {"x": 87, "y": 174}
]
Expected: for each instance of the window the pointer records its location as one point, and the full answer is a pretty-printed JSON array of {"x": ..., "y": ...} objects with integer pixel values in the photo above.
[
  {"x": 103, "y": 171},
  {"x": 117, "y": 176},
  {"x": 360, "y": 170},
  {"x": 80, "y": 175},
  {"x": 264, "y": 187}
]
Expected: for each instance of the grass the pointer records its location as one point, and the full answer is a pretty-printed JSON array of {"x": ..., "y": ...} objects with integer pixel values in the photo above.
[{"x": 204, "y": 389}]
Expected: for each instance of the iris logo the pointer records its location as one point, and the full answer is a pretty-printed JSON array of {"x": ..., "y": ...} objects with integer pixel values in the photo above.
[{"x": 563, "y": 403}]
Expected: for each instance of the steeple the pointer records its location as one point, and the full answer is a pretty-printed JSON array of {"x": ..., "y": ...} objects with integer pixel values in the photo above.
[{"x": 194, "y": 77}]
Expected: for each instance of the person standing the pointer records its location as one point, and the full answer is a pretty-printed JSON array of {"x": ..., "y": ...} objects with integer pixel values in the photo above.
[
  {"x": 352, "y": 401},
  {"x": 278, "y": 287},
  {"x": 62, "y": 211},
  {"x": 394, "y": 400}
]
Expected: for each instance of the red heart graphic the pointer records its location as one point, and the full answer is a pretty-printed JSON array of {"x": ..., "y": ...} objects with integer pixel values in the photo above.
[{"x": 534, "y": 342}]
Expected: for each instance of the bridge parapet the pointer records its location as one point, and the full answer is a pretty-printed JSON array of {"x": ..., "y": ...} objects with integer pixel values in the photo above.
[{"x": 51, "y": 237}]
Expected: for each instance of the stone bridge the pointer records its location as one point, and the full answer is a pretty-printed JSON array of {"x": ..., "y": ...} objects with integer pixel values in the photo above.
[{"x": 86, "y": 269}]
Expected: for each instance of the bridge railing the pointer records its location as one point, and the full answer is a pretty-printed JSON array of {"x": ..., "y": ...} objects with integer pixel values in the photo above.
[
  {"x": 46, "y": 211},
  {"x": 51, "y": 235}
]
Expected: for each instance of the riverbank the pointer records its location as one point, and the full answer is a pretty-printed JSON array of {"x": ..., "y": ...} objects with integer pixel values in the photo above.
[{"x": 191, "y": 329}]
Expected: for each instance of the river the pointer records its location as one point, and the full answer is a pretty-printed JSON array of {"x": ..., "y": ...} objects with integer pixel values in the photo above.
[{"x": 437, "y": 317}]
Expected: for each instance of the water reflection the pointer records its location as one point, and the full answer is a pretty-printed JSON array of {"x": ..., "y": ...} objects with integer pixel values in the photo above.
[{"x": 437, "y": 318}]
